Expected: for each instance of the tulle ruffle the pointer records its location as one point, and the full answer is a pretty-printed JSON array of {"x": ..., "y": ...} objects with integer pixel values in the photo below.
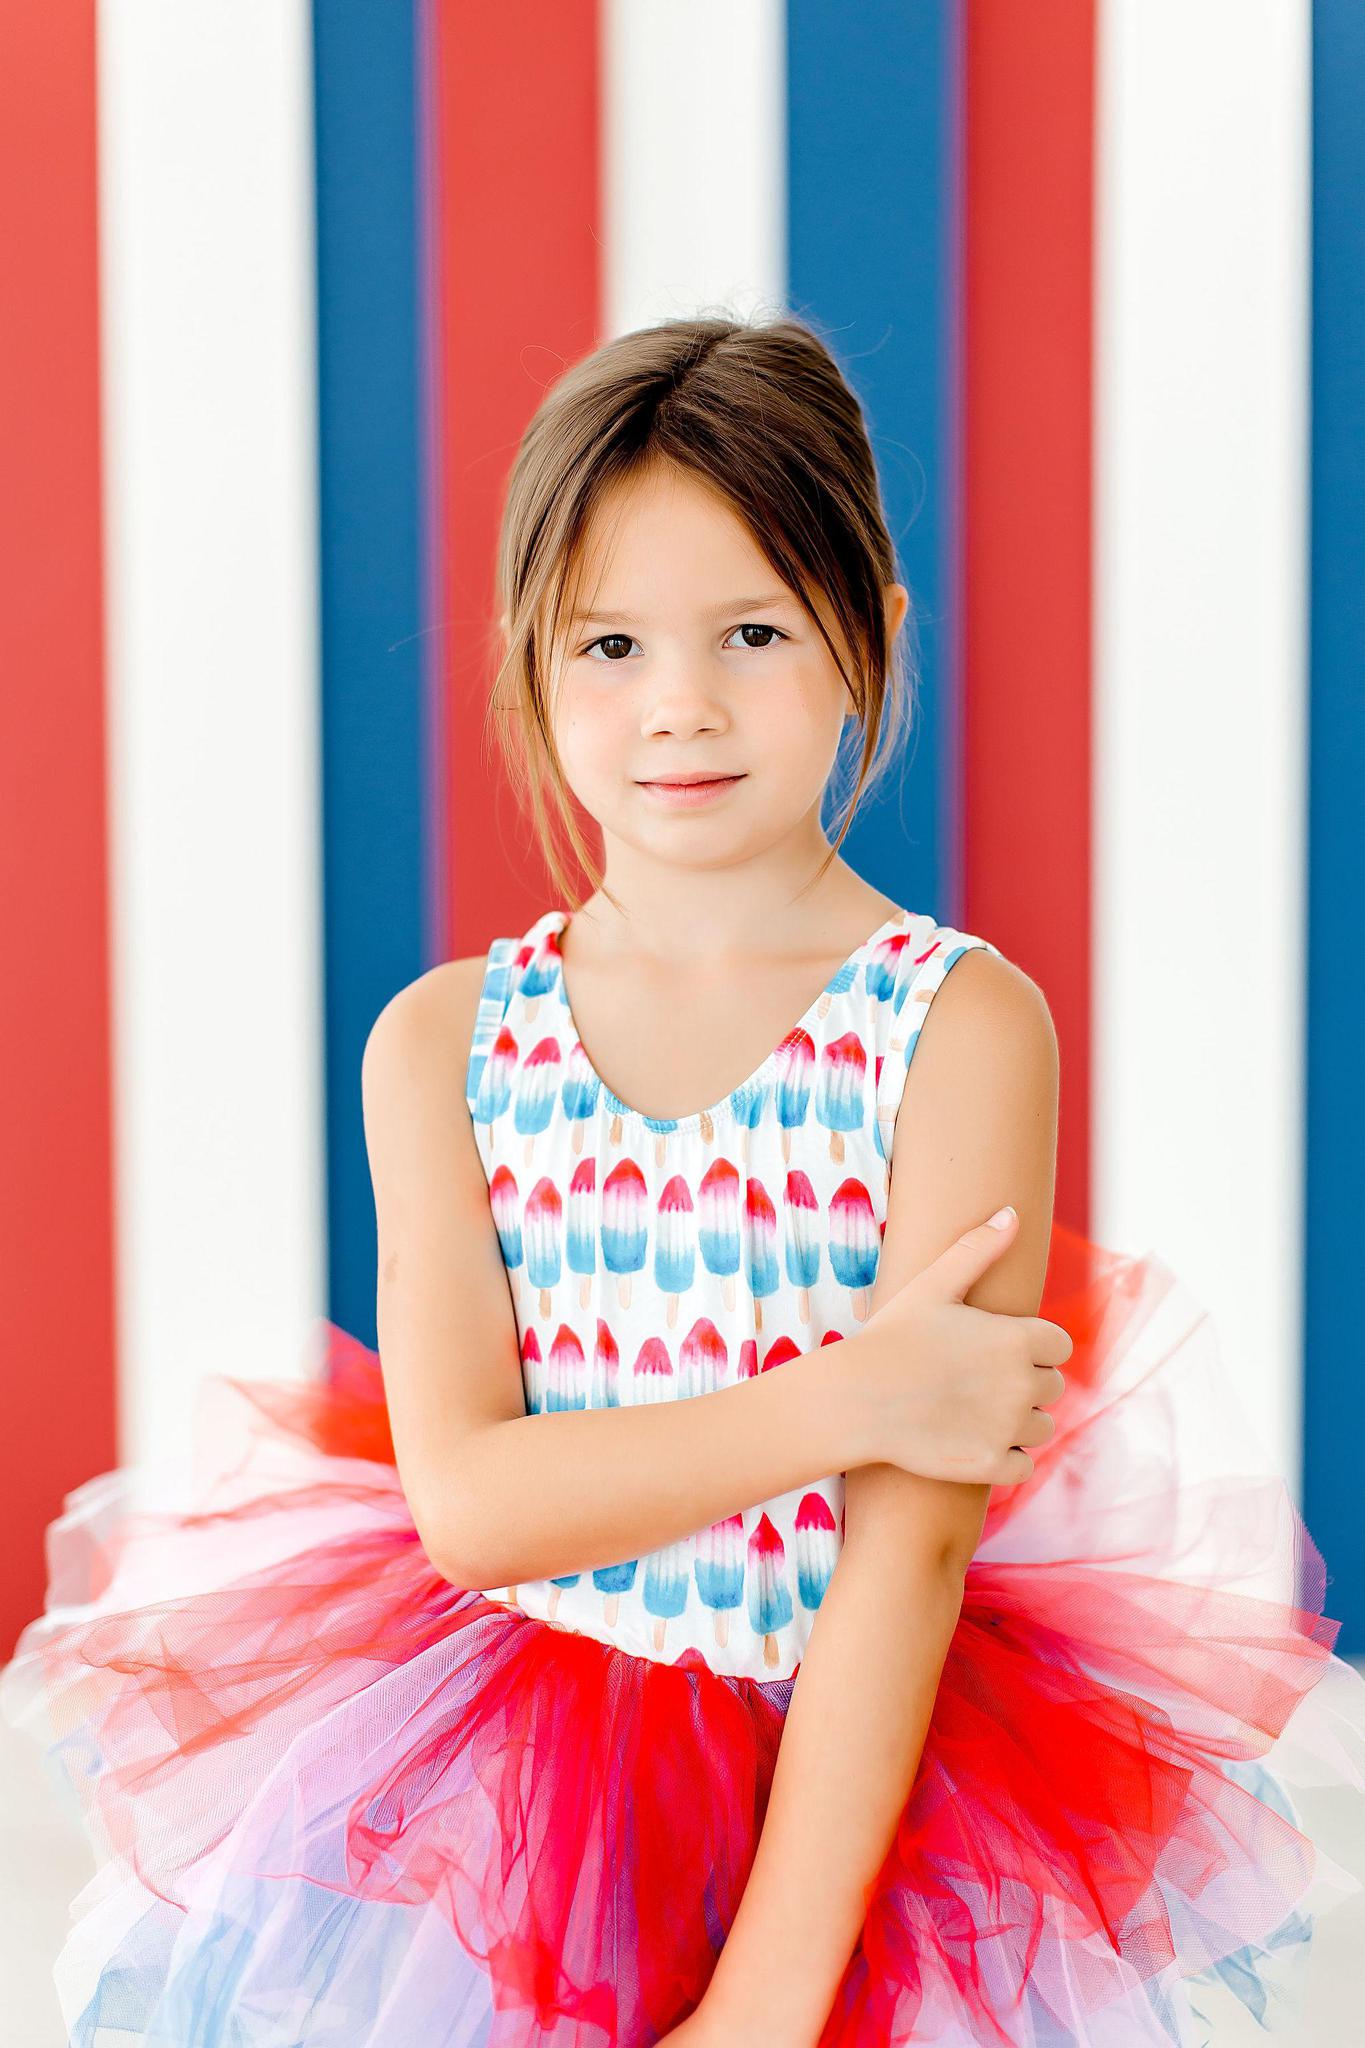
[{"x": 335, "y": 1799}]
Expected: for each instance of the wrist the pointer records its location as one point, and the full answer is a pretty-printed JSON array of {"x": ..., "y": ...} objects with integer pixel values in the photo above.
[{"x": 832, "y": 1408}]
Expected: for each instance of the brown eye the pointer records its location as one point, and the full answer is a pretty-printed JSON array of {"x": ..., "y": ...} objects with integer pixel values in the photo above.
[
  {"x": 754, "y": 627},
  {"x": 610, "y": 640}
]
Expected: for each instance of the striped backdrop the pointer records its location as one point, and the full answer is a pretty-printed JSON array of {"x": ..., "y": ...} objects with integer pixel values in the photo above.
[{"x": 281, "y": 288}]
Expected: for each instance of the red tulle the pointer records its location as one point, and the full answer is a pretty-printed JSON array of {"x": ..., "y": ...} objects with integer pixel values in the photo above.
[{"x": 269, "y": 1680}]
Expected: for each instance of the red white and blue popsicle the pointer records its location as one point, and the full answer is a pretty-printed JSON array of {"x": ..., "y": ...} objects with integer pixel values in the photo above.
[
  {"x": 802, "y": 1234},
  {"x": 536, "y": 1091},
  {"x": 839, "y": 1097},
  {"x": 718, "y": 1224},
  {"x": 675, "y": 1251},
  {"x": 855, "y": 1243},
  {"x": 541, "y": 1227},
  {"x": 770, "y": 1604},
  {"x": 795, "y": 1077},
  {"x": 718, "y": 1568},
  {"x": 623, "y": 1226},
  {"x": 580, "y": 1226},
  {"x": 817, "y": 1548},
  {"x": 668, "y": 1574},
  {"x": 760, "y": 1237}
]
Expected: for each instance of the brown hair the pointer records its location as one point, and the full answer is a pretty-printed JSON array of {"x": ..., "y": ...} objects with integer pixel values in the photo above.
[{"x": 761, "y": 413}]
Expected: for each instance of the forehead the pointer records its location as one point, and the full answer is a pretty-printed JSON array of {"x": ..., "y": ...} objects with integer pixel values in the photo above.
[{"x": 665, "y": 540}]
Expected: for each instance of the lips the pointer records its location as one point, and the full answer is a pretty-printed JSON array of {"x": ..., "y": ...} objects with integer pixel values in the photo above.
[{"x": 685, "y": 781}]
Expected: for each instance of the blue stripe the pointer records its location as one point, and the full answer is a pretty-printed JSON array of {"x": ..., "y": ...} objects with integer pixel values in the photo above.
[
  {"x": 374, "y": 797},
  {"x": 1334, "y": 975},
  {"x": 872, "y": 230}
]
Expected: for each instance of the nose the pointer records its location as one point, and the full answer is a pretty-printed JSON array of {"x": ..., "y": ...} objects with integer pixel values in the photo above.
[{"x": 684, "y": 699}]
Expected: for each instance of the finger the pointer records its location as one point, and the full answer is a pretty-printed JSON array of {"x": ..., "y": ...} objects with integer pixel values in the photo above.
[
  {"x": 1014, "y": 1466},
  {"x": 966, "y": 1260},
  {"x": 1048, "y": 1386}
]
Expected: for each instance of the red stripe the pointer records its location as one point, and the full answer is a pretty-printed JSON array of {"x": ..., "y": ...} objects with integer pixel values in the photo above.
[
  {"x": 1026, "y": 542},
  {"x": 56, "y": 1257},
  {"x": 517, "y": 211}
]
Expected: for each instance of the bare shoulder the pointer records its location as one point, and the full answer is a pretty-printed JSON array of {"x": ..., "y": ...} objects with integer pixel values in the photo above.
[
  {"x": 425, "y": 1029},
  {"x": 991, "y": 1021}
]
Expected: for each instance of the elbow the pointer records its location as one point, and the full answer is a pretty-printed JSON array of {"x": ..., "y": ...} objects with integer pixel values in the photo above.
[{"x": 454, "y": 1533}]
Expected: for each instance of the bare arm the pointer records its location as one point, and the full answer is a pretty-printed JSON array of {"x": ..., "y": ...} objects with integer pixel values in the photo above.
[
  {"x": 499, "y": 1496},
  {"x": 976, "y": 1127}
]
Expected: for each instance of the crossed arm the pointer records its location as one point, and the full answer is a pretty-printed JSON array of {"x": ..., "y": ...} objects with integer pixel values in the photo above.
[{"x": 976, "y": 1127}]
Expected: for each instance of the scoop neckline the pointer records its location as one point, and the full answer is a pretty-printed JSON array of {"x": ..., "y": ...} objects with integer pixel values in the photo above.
[{"x": 554, "y": 922}]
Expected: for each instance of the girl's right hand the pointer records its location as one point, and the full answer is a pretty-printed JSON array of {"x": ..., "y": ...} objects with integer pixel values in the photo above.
[{"x": 951, "y": 1391}]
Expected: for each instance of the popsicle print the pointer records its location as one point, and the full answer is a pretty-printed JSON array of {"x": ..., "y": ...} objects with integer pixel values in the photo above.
[
  {"x": 623, "y": 1224},
  {"x": 556, "y": 1589},
  {"x": 506, "y": 1206},
  {"x": 578, "y": 1092},
  {"x": 779, "y": 1351},
  {"x": 855, "y": 1242},
  {"x": 817, "y": 1549},
  {"x": 802, "y": 1236},
  {"x": 770, "y": 1603},
  {"x": 667, "y": 1574},
  {"x": 883, "y": 964},
  {"x": 541, "y": 1225},
  {"x": 839, "y": 1097},
  {"x": 613, "y": 1580},
  {"x": 675, "y": 1252},
  {"x": 842, "y": 979},
  {"x": 532, "y": 1374},
  {"x": 746, "y": 1365},
  {"x": 702, "y": 1360},
  {"x": 495, "y": 1080},
  {"x": 652, "y": 1373},
  {"x": 718, "y": 1568},
  {"x": 567, "y": 1379},
  {"x": 580, "y": 1226},
  {"x": 536, "y": 1091},
  {"x": 606, "y": 1367},
  {"x": 718, "y": 1224},
  {"x": 760, "y": 1236},
  {"x": 541, "y": 974},
  {"x": 795, "y": 1077}
]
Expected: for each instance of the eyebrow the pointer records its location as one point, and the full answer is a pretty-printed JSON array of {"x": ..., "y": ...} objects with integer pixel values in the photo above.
[{"x": 732, "y": 604}]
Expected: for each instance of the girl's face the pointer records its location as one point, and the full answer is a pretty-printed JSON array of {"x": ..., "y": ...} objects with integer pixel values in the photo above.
[{"x": 689, "y": 656}]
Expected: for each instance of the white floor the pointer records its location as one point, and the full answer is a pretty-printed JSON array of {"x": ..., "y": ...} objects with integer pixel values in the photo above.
[{"x": 44, "y": 1862}]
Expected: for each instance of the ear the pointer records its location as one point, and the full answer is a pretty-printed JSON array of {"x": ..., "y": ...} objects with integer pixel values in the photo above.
[{"x": 895, "y": 606}]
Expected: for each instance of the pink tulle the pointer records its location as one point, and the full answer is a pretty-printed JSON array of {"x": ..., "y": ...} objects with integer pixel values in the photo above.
[{"x": 265, "y": 1686}]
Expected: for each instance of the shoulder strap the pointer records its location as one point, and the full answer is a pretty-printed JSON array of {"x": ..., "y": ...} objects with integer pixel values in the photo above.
[
  {"x": 498, "y": 983},
  {"x": 924, "y": 960}
]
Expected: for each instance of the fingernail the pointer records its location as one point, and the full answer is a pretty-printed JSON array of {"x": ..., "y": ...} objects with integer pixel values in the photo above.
[{"x": 1002, "y": 1217}]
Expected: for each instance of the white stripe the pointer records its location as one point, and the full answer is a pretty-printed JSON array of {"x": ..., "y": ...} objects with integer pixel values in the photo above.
[
  {"x": 1202, "y": 249},
  {"x": 694, "y": 160},
  {"x": 208, "y": 365}
]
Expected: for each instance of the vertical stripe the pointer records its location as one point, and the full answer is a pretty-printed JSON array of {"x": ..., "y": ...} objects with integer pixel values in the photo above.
[
  {"x": 694, "y": 148},
  {"x": 1200, "y": 665},
  {"x": 1333, "y": 981},
  {"x": 1025, "y": 585},
  {"x": 205, "y": 196},
  {"x": 514, "y": 109},
  {"x": 56, "y": 1242},
  {"x": 872, "y": 125},
  {"x": 374, "y": 703}
]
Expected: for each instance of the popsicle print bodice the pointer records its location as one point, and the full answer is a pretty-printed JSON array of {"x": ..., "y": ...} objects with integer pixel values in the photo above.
[{"x": 652, "y": 1259}]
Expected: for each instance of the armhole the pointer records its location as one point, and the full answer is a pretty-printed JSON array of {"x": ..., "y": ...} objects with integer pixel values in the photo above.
[
  {"x": 492, "y": 1008},
  {"x": 922, "y": 976}
]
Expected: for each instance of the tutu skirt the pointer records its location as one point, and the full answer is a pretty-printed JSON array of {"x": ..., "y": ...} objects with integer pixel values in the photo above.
[{"x": 336, "y": 1800}]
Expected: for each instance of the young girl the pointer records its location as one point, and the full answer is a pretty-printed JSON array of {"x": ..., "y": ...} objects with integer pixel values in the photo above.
[{"x": 711, "y": 1625}]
